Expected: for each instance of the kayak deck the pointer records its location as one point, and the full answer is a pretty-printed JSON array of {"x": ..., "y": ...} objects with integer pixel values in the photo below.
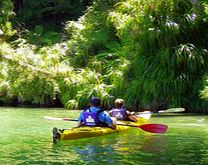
[{"x": 86, "y": 132}]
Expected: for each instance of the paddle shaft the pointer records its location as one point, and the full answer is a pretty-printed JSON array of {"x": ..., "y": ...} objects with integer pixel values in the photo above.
[
  {"x": 153, "y": 128},
  {"x": 170, "y": 110}
]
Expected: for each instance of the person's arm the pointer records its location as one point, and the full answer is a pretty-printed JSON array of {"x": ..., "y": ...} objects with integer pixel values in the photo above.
[
  {"x": 112, "y": 125},
  {"x": 110, "y": 121},
  {"x": 79, "y": 124},
  {"x": 110, "y": 112},
  {"x": 131, "y": 117}
]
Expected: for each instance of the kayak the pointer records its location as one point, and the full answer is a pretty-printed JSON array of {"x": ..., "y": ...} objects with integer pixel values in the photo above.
[{"x": 86, "y": 131}]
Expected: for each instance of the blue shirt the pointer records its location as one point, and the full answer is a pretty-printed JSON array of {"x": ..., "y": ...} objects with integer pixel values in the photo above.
[{"x": 102, "y": 116}]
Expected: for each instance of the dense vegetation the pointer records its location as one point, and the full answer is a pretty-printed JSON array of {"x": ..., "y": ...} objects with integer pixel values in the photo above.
[{"x": 151, "y": 53}]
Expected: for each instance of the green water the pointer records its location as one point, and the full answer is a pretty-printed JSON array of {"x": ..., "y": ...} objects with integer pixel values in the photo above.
[{"x": 25, "y": 138}]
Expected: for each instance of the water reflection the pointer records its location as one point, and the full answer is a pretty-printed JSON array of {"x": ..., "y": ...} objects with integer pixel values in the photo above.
[
  {"x": 154, "y": 144},
  {"x": 184, "y": 143},
  {"x": 114, "y": 149},
  {"x": 88, "y": 151},
  {"x": 26, "y": 139}
]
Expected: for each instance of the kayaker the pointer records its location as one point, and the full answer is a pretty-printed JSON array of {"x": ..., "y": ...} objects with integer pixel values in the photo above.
[
  {"x": 121, "y": 113},
  {"x": 95, "y": 116}
]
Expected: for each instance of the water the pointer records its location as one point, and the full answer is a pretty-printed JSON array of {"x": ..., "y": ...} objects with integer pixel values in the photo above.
[{"x": 25, "y": 138}]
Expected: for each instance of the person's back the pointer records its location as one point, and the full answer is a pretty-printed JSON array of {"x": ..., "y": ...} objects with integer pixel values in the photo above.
[
  {"x": 95, "y": 116},
  {"x": 121, "y": 113}
]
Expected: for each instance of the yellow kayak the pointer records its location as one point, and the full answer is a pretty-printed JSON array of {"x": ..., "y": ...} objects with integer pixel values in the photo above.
[{"x": 86, "y": 132}]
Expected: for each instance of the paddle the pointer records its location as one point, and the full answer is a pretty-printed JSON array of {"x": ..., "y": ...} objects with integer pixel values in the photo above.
[
  {"x": 58, "y": 118},
  {"x": 153, "y": 128},
  {"x": 170, "y": 110}
]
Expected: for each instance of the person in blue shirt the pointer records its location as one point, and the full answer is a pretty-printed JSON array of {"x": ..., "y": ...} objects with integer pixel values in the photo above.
[{"x": 95, "y": 116}]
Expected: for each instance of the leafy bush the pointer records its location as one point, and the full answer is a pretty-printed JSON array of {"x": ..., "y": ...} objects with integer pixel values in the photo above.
[
  {"x": 141, "y": 51},
  {"x": 6, "y": 7},
  {"x": 160, "y": 34},
  {"x": 42, "y": 37}
]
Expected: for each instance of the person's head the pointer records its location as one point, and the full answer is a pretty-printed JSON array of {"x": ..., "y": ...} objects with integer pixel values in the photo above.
[
  {"x": 119, "y": 103},
  {"x": 95, "y": 101}
]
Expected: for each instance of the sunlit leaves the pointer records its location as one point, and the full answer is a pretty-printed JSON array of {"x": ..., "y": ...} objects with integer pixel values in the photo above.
[
  {"x": 168, "y": 53},
  {"x": 6, "y": 12},
  {"x": 32, "y": 74},
  {"x": 144, "y": 51},
  {"x": 204, "y": 93}
]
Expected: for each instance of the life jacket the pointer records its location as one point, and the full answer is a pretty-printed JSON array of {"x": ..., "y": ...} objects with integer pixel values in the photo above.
[
  {"x": 119, "y": 114},
  {"x": 91, "y": 118}
]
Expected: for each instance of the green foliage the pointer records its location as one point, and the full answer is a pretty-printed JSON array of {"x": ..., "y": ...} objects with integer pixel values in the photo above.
[
  {"x": 140, "y": 35},
  {"x": 160, "y": 34},
  {"x": 77, "y": 90},
  {"x": 91, "y": 33},
  {"x": 42, "y": 37},
  {"x": 6, "y": 13},
  {"x": 204, "y": 92},
  {"x": 53, "y": 12},
  {"x": 93, "y": 44},
  {"x": 151, "y": 53},
  {"x": 39, "y": 88},
  {"x": 27, "y": 72}
]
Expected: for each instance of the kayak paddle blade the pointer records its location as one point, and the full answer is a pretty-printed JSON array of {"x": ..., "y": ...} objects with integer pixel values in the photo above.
[
  {"x": 172, "y": 110},
  {"x": 154, "y": 128}
]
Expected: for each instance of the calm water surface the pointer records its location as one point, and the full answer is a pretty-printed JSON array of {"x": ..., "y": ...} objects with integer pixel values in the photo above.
[{"x": 25, "y": 138}]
